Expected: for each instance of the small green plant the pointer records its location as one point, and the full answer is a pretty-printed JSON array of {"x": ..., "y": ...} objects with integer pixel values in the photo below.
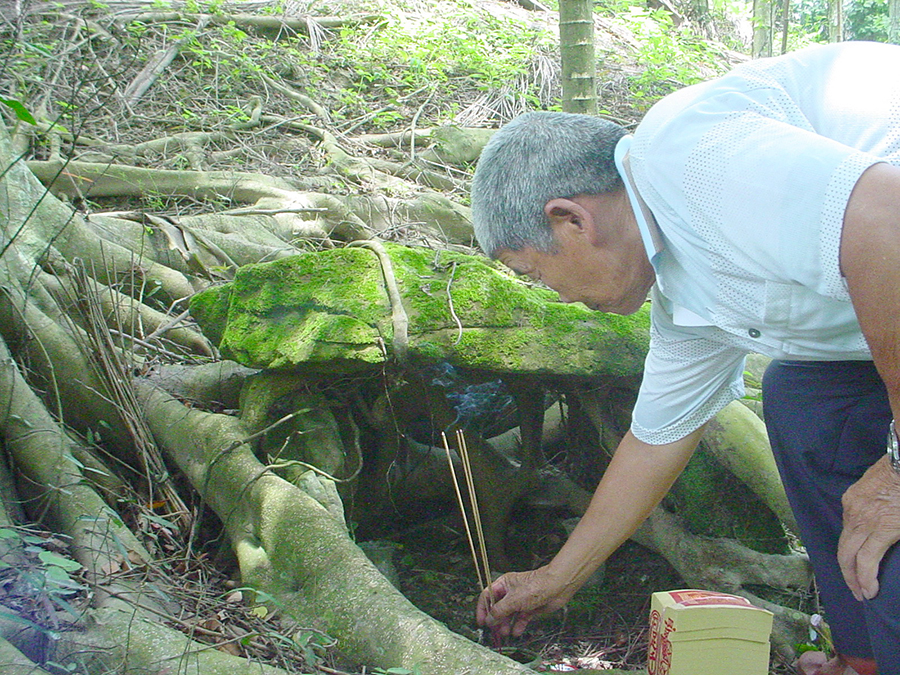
[
  {"x": 819, "y": 637},
  {"x": 463, "y": 46},
  {"x": 43, "y": 573},
  {"x": 230, "y": 31},
  {"x": 313, "y": 644},
  {"x": 671, "y": 58}
]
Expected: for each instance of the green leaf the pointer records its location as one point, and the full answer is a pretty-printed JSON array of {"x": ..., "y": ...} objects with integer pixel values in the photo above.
[
  {"x": 51, "y": 558},
  {"x": 70, "y": 457},
  {"x": 59, "y": 583},
  {"x": 20, "y": 110},
  {"x": 6, "y": 533},
  {"x": 60, "y": 577},
  {"x": 162, "y": 522}
]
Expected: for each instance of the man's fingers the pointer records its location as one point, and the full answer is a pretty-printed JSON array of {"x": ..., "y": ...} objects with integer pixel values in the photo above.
[
  {"x": 499, "y": 627},
  {"x": 868, "y": 561},
  {"x": 487, "y": 602},
  {"x": 512, "y": 601},
  {"x": 848, "y": 547},
  {"x": 482, "y": 609},
  {"x": 521, "y": 622},
  {"x": 860, "y": 557},
  {"x": 507, "y": 621}
]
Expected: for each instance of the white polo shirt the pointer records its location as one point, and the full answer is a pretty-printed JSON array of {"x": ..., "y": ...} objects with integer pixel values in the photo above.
[{"x": 747, "y": 177}]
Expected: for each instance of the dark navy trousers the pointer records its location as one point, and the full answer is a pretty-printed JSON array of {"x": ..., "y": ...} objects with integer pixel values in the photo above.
[{"x": 828, "y": 422}]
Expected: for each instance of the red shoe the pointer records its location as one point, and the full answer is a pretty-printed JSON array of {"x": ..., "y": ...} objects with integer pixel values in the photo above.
[{"x": 816, "y": 663}]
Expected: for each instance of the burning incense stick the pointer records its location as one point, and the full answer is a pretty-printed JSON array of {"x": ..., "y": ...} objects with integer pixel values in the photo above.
[
  {"x": 482, "y": 568},
  {"x": 476, "y": 514}
]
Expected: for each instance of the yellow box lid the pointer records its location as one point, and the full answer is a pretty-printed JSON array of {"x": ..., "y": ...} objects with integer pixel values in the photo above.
[{"x": 698, "y": 614}]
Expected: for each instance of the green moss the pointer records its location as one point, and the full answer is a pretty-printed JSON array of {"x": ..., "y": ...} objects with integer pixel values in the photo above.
[
  {"x": 712, "y": 502},
  {"x": 210, "y": 308},
  {"x": 307, "y": 308},
  {"x": 319, "y": 308}
]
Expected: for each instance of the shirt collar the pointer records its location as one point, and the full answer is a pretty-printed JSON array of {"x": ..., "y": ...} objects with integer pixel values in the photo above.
[{"x": 652, "y": 237}]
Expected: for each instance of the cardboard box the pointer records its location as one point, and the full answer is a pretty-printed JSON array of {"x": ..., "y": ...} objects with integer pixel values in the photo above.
[{"x": 695, "y": 632}]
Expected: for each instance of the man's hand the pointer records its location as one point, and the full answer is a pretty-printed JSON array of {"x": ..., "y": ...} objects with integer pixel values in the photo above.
[
  {"x": 509, "y": 603},
  {"x": 634, "y": 482},
  {"x": 871, "y": 527}
]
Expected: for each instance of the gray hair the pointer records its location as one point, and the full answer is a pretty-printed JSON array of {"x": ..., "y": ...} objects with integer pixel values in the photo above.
[{"x": 537, "y": 157}]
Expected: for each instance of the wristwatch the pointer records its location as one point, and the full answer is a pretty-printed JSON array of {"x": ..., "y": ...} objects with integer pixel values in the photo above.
[{"x": 893, "y": 448}]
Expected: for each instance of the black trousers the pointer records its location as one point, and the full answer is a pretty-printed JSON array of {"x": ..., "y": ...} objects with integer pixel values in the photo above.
[{"x": 828, "y": 423}]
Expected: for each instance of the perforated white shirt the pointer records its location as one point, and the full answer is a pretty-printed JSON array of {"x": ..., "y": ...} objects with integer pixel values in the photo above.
[{"x": 748, "y": 176}]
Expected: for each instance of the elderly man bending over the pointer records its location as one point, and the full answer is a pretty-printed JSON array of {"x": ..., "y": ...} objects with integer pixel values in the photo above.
[{"x": 761, "y": 212}]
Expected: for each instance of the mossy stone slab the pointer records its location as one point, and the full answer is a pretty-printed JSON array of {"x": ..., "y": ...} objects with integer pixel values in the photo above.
[{"x": 331, "y": 311}]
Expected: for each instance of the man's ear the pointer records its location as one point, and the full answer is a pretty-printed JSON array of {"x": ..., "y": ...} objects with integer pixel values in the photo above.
[{"x": 568, "y": 217}]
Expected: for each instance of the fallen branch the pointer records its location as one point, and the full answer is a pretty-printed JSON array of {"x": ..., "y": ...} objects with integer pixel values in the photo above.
[
  {"x": 260, "y": 23},
  {"x": 303, "y": 99},
  {"x": 156, "y": 65}
]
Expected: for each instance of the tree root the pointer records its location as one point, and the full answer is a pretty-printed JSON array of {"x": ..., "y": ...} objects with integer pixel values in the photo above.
[
  {"x": 437, "y": 219},
  {"x": 43, "y": 453},
  {"x": 14, "y": 662},
  {"x": 57, "y": 365},
  {"x": 416, "y": 174},
  {"x": 215, "y": 384},
  {"x": 121, "y": 640},
  {"x": 399, "y": 319},
  {"x": 132, "y": 323},
  {"x": 451, "y": 145},
  {"x": 303, "y": 99},
  {"x": 80, "y": 180},
  {"x": 283, "y": 538},
  {"x": 738, "y": 439}
]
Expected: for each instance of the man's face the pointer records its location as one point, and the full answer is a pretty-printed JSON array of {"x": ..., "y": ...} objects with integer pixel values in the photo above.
[{"x": 600, "y": 258}]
